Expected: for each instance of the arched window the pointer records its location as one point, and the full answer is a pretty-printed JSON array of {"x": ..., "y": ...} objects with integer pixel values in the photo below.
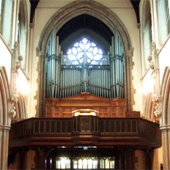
[
  {"x": 85, "y": 51},
  {"x": 147, "y": 33},
  {"x": 85, "y": 163},
  {"x": 163, "y": 19},
  {"x": 168, "y": 13},
  {"x": 0, "y": 8},
  {"x": 22, "y": 32},
  {"x": 6, "y": 20},
  {"x": 63, "y": 163},
  {"x": 0, "y": 15}
]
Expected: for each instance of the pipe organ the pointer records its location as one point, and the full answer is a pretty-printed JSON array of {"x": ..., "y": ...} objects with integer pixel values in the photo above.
[{"x": 82, "y": 72}]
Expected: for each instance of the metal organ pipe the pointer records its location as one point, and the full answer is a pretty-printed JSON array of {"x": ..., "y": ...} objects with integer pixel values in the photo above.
[
  {"x": 104, "y": 83},
  {"x": 57, "y": 45},
  {"x": 104, "y": 80}
]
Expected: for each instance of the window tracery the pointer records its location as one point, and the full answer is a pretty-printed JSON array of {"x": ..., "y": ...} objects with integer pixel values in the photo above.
[
  {"x": 85, "y": 52},
  {"x": 85, "y": 163}
]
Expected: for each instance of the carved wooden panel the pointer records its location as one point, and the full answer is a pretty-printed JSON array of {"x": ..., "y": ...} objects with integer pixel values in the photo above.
[{"x": 106, "y": 107}]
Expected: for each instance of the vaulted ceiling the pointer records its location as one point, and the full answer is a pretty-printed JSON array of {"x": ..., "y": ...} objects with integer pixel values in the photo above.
[{"x": 34, "y": 4}]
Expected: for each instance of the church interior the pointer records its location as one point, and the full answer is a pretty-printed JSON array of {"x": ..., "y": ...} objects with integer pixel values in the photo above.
[{"x": 85, "y": 84}]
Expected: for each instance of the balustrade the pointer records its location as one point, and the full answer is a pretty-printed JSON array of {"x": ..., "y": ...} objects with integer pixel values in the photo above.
[{"x": 107, "y": 129}]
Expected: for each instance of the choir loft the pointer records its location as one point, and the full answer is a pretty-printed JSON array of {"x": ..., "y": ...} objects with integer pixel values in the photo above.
[{"x": 84, "y": 84}]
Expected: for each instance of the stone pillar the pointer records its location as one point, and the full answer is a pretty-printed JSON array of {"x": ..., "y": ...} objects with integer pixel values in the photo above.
[
  {"x": 7, "y": 111},
  {"x": 128, "y": 80},
  {"x": 165, "y": 146},
  {"x": 4, "y": 138},
  {"x": 41, "y": 84}
]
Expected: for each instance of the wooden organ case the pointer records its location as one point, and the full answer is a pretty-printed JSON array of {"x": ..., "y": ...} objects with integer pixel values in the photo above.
[{"x": 64, "y": 107}]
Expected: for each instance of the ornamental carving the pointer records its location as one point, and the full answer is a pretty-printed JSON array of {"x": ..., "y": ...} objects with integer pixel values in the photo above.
[{"x": 157, "y": 99}]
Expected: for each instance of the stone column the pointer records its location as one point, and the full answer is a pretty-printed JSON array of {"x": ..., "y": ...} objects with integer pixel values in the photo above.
[
  {"x": 128, "y": 80},
  {"x": 4, "y": 138},
  {"x": 41, "y": 84},
  {"x": 7, "y": 111},
  {"x": 165, "y": 146}
]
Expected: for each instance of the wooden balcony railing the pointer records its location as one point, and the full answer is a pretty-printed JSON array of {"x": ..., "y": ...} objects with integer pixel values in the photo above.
[{"x": 83, "y": 130}]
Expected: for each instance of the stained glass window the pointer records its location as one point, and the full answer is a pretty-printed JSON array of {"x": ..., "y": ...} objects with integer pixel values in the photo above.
[
  {"x": 62, "y": 163},
  {"x": 107, "y": 163},
  {"x": 85, "y": 51},
  {"x": 85, "y": 163}
]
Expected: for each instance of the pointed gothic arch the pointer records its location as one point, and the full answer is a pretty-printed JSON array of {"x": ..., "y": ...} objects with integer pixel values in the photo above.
[
  {"x": 165, "y": 94},
  {"x": 23, "y": 25},
  {"x": 165, "y": 117},
  {"x": 5, "y": 95},
  {"x": 108, "y": 18},
  {"x": 21, "y": 108},
  {"x": 5, "y": 117},
  {"x": 92, "y": 8},
  {"x": 146, "y": 33},
  {"x": 149, "y": 107}
]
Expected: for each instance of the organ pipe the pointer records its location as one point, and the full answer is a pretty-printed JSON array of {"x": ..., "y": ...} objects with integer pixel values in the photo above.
[
  {"x": 105, "y": 80},
  {"x": 117, "y": 85}
]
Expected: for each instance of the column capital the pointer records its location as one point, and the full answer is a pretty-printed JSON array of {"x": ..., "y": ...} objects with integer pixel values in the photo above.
[
  {"x": 40, "y": 53},
  {"x": 129, "y": 53}
]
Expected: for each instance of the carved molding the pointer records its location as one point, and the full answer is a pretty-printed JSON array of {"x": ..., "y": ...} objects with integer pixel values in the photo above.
[
  {"x": 12, "y": 105},
  {"x": 157, "y": 99},
  {"x": 9, "y": 101},
  {"x": 85, "y": 7},
  {"x": 129, "y": 89},
  {"x": 153, "y": 63}
]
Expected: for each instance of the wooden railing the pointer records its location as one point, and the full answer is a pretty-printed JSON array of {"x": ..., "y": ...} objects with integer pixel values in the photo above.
[
  {"x": 102, "y": 128},
  {"x": 130, "y": 127},
  {"x": 41, "y": 127}
]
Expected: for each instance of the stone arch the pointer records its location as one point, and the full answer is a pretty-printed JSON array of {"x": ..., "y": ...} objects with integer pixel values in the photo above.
[
  {"x": 84, "y": 7},
  {"x": 103, "y": 14},
  {"x": 165, "y": 117},
  {"x": 165, "y": 94},
  {"x": 21, "y": 108},
  {"x": 149, "y": 107},
  {"x": 5, "y": 96},
  {"x": 6, "y": 112}
]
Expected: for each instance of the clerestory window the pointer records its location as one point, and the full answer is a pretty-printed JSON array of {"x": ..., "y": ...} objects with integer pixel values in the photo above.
[
  {"x": 0, "y": 13},
  {"x": 0, "y": 7}
]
